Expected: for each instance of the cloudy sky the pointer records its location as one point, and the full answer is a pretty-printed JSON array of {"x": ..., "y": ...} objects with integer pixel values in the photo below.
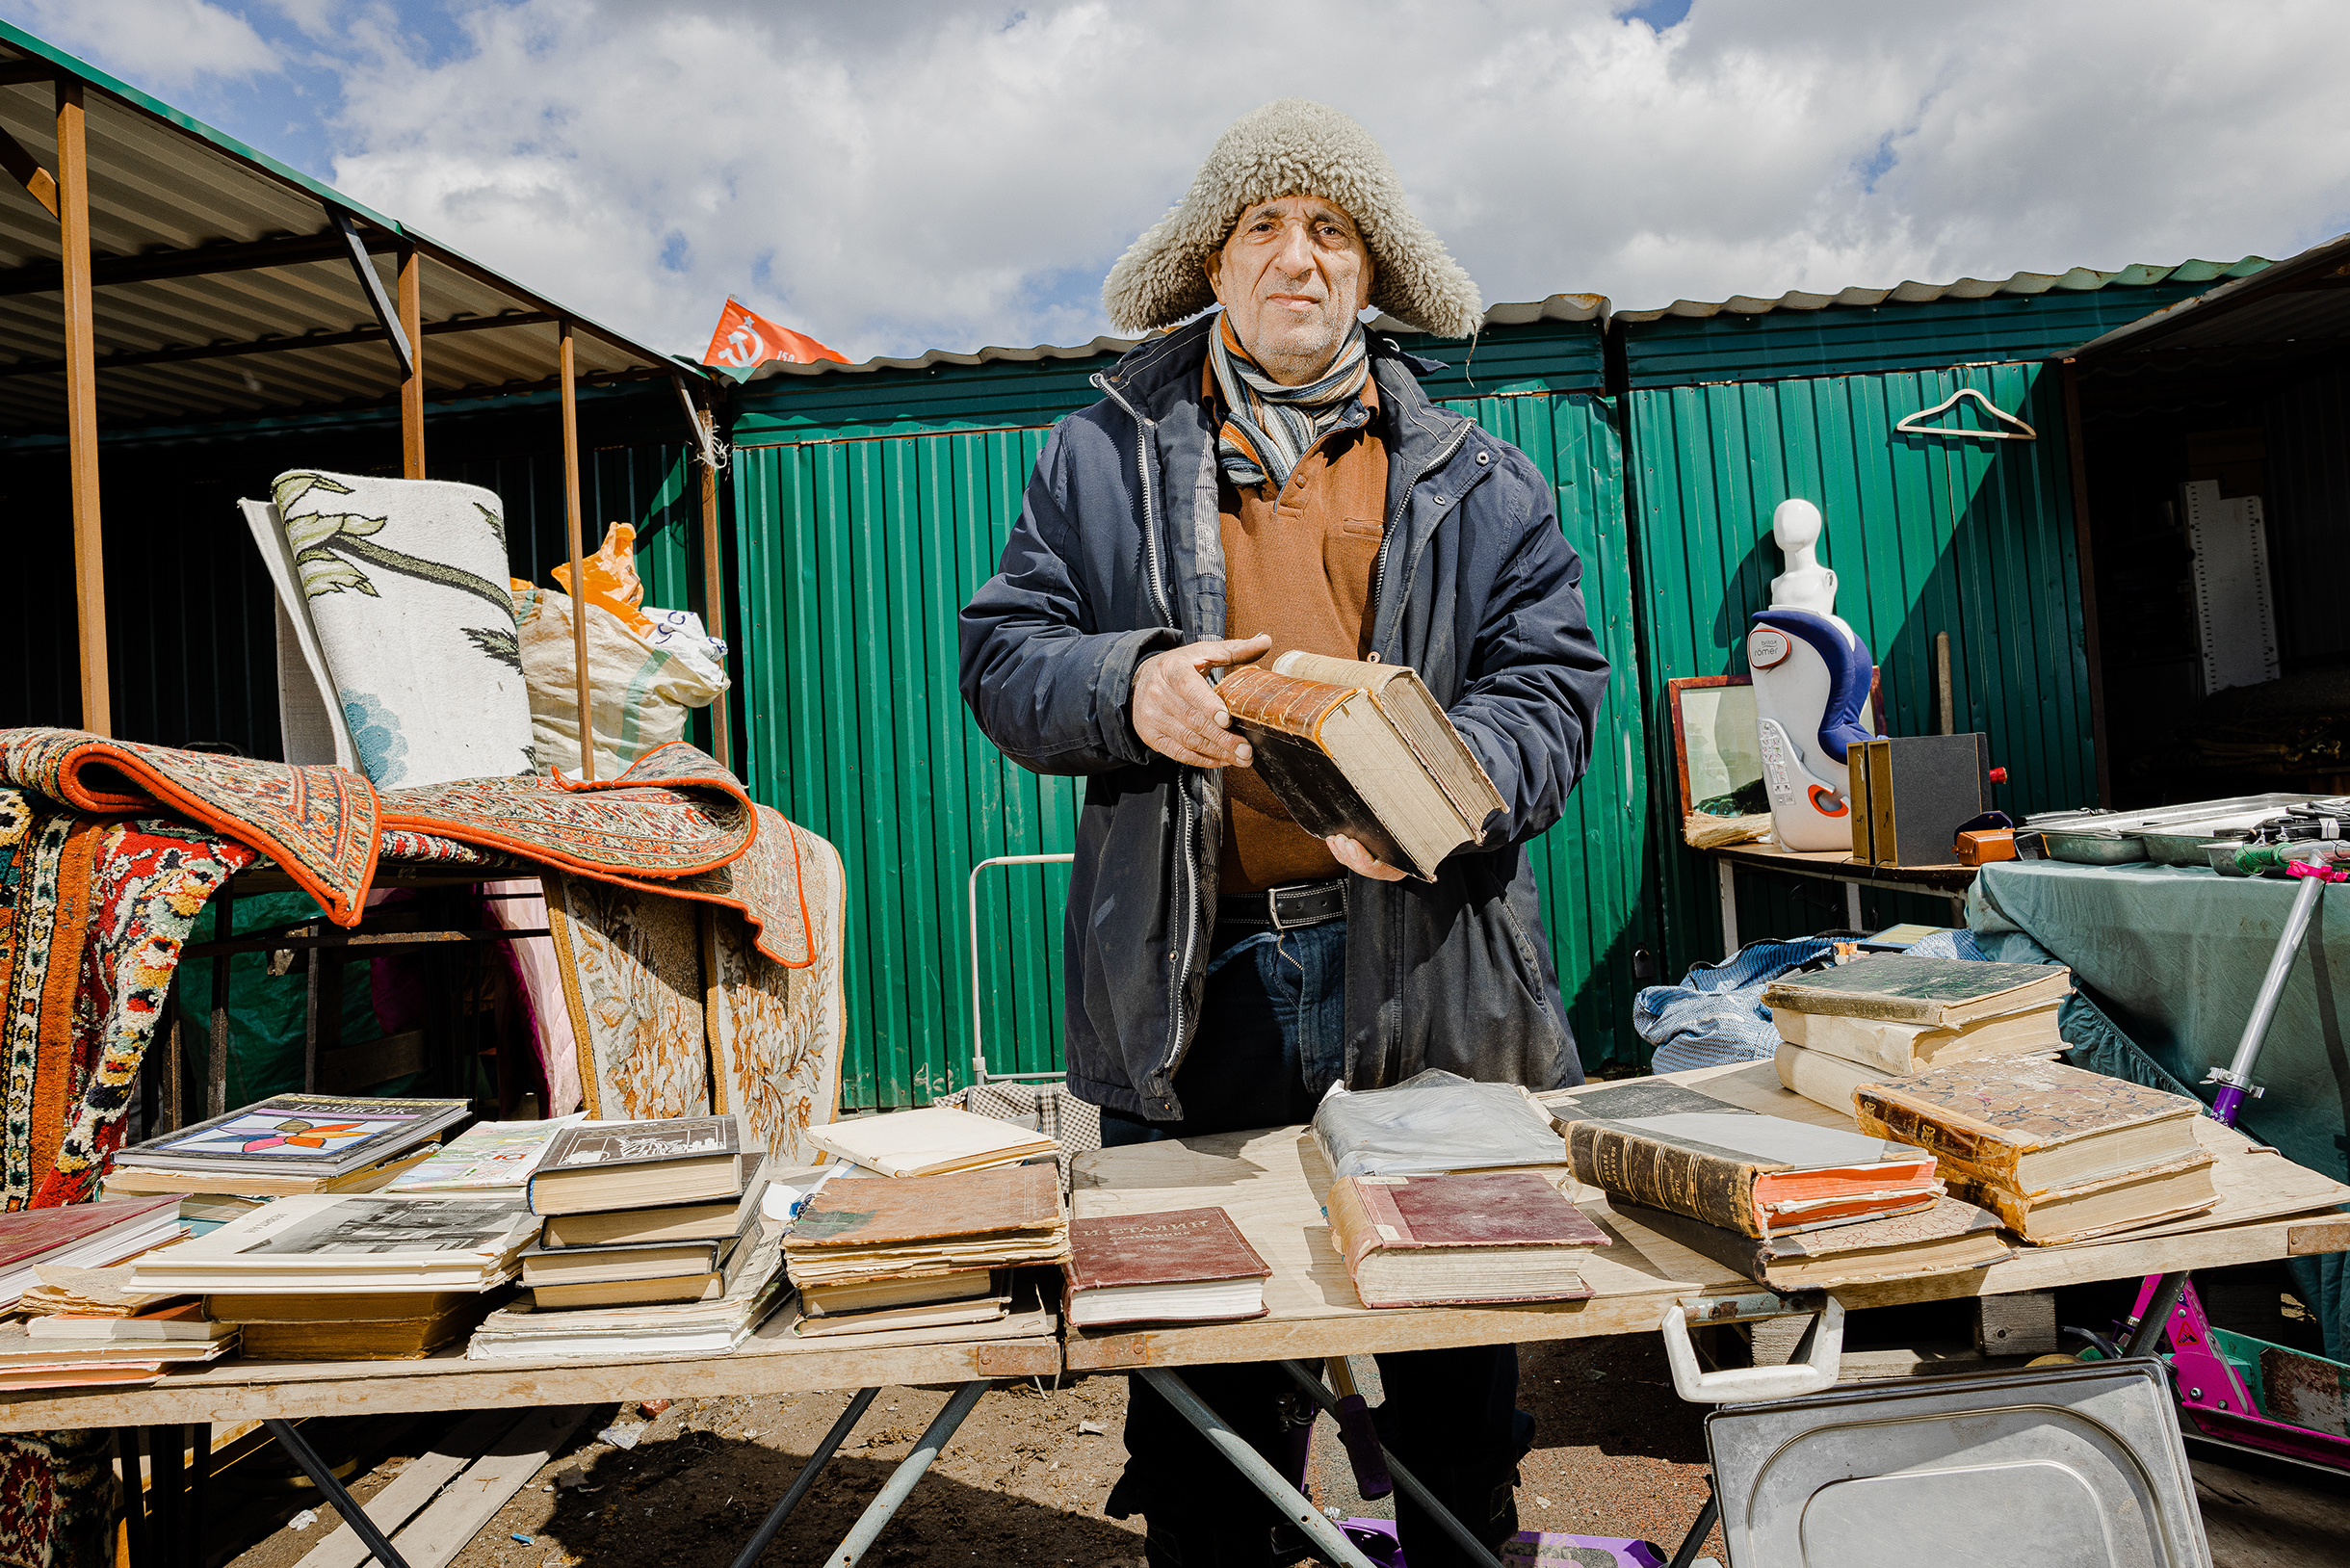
[{"x": 890, "y": 176}]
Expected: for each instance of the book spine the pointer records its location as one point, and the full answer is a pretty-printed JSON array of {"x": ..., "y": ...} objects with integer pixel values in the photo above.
[
  {"x": 1665, "y": 1176},
  {"x": 1892, "y": 1115},
  {"x": 1820, "y": 1002},
  {"x": 1287, "y": 703},
  {"x": 1355, "y": 1220}
]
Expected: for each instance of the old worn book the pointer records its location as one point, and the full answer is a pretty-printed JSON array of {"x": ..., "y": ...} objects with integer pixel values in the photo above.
[
  {"x": 524, "y": 1332},
  {"x": 79, "y": 1235},
  {"x": 410, "y": 1337},
  {"x": 1904, "y": 988},
  {"x": 678, "y": 1284},
  {"x": 1823, "y": 1078},
  {"x": 930, "y": 1142},
  {"x": 1435, "y": 1241},
  {"x": 177, "y": 1321},
  {"x": 640, "y": 1164},
  {"x": 2032, "y": 1127},
  {"x": 369, "y": 1242},
  {"x": 303, "y": 1136},
  {"x": 486, "y": 1156},
  {"x": 1405, "y": 701},
  {"x": 1671, "y": 1147},
  {"x": 2051, "y": 1216},
  {"x": 226, "y": 1189},
  {"x": 1180, "y": 1266},
  {"x": 341, "y": 1306},
  {"x": 1949, "y": 1238},
  {"x": 993, "y": 1300},
  {"x": 21, "y": 1348},
  {"x": 917, "y": 1290},
  {"x": 1917, "y": 1048},
  {"x": 1341, "y": 764},
  {"x": 620, "y": 1261},
  {"x": 672, "y": 1223},
  {"x": 876, "y": 1227}
]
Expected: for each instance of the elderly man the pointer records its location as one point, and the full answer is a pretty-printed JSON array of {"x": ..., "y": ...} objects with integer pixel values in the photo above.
[{"x": 1270, "y": 478}]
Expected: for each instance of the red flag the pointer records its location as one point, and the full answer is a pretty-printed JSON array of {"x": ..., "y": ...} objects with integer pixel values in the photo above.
[{"x": 745, "y": 339}]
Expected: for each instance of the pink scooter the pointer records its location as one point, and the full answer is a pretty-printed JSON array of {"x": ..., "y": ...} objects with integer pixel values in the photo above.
[{"x": 2232, "y": 1388}]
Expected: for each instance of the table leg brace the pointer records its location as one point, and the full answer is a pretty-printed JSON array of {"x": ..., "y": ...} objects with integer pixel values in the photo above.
[
  {"x": 806, "y": 1478},
  {"x": 354, "y": 1516},
  {"x": 911, "y": 1469},
  {"x": 1479, "y": 1552},
  {"x": 1328, "y": 1539},
  {"x": 1696, "y": 1538}
]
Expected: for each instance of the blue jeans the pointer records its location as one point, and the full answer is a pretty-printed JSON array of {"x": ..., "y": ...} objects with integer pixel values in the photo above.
[{"x": 1273, "y": 1037}]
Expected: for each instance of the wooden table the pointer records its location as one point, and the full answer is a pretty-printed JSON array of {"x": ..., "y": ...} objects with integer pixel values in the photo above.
[
  {"x": 1835, "y": 866},
  {"x": 1274, "y": 1184}
]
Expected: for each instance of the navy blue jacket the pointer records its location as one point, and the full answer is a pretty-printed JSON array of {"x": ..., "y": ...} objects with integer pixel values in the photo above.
[{"x": 1119, "y": 554}]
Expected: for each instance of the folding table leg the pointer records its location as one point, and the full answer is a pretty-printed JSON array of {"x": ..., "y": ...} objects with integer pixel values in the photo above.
[
  {"x": 1328, "y": 1539},
  {"x": 164, "y": 1487},
  {"x": 1479, "y": 1552},
  {"x": 332, "y": 1490},
  {"x": 1696, "y": 1538},
  {"x": 806, "y": 1478},
  {"x": 134, "y": 1497},
  {"x": 894, "y": 1492}
]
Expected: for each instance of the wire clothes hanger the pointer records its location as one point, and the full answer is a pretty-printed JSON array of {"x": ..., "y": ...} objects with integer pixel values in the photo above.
[{"x": 1910, "y": 426}]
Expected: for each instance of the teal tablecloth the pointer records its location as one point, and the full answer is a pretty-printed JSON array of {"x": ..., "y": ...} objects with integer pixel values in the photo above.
[{"x": 2173, "y": 957}]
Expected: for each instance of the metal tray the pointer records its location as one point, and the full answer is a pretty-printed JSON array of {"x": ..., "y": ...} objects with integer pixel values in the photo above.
[
  {"x": 2115, "y": 838},
  {"x": 2186, "y": 847},
  {"x": 2070, "y": 1467}
]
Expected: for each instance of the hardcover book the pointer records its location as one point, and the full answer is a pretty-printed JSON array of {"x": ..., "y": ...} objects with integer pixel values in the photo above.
[
  {"x": 1430, "y": 1241},
  {"x": 1341, "y": 763},
  {"x": 2103, "y": 1207},
  {"x": 672, "y": 1222},
  {"x": 993, "y": 1301},
  {"x": 875, "y": 1227},
  {"x": 1671, "y": 1147},
  {"x": 1180, "y": 1266},
  {"x": 640, "y": 1164},
  {"x": 311, "y": 1136},
  {"x": 910, "y": 1291},
  {"x": 1917, "y": 1048},
  {"x": 370, "y": 1242},
  {"x": 79, "y": 1235},
  {"x": 933, "y": 1141},
  {"x": 1949, "y": 1238},
  {"x": 703, "y": 1282},
  {"x": 1905, "y": 988},
  {"x": 627, "y": 1260},
  {"x": 2031, "y": 1125}
]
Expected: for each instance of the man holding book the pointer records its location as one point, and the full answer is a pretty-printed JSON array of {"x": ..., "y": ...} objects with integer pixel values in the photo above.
[{"x": 1266, "y": 480}]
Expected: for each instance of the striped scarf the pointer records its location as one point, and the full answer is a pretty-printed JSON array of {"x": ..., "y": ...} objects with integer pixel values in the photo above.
[{"x": 1270, "y": 428}]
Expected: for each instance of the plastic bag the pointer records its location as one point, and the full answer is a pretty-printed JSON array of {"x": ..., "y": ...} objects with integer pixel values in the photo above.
[
  {"x": 1434, "y": 1121},
  {"x": 639, "y": 694}
]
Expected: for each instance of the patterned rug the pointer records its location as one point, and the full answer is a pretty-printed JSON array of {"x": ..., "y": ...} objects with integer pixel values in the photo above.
[
  {"x": 57, "y": 1499},
  {"x": 631, "y": 965},
  {"x": 766, "y": 886},
  {"x": 92, "y": 914},
  {"x": 775, "y": 1031},
  {"x": 319, "y": 824}
]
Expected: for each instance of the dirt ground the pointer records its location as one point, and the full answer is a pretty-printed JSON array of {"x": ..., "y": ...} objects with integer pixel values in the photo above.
[{"x": 1023, "y": 1482}]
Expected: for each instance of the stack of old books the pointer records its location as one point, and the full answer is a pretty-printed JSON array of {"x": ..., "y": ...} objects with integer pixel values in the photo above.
[
  {"x": 287, "y": 1145},
  {"x": 652, "y": 1241},
  {"x": 871, "y": 1253},
  {"x": 348, "y": 1276},
  {"x": 1783, "y": 1202},
  {"x": 638, "y": 1213},
  {"x": 1891, "y": 1015},
  {"x": 2059, "y": 1154},
  {"x": 61, "y": 1271}
]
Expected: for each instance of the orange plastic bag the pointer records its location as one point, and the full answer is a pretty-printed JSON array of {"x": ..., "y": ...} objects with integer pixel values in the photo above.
[{"x": 612, "y": 578}]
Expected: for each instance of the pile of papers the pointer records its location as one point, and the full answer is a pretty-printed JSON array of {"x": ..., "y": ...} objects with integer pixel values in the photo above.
[
  {"x": 349, "y": 1243},
  {"x": 524, "y": 1332},
  {"x": 875, "y": 1253}
]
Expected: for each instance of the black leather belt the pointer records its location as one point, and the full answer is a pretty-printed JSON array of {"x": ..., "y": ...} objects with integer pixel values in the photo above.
[{"x": 1285, "y": 908}]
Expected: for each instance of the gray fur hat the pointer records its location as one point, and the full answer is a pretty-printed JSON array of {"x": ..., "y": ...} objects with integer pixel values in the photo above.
[{"x": 1293, "y": 147}]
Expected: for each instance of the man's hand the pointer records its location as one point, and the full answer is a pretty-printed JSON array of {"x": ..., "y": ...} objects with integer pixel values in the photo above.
[
  {"x": 1359, "y": 860},
  {"x": 1175, "y": 711}
]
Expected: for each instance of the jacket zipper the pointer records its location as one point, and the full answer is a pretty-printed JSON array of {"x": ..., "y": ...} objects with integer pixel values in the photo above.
[
  {"x": 1188, "y": 860},
  {"x": 1378, "y": 563}
]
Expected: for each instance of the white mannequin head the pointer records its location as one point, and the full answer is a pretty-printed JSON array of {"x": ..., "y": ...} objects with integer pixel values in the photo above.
[{"x": 1805, "y": 584}]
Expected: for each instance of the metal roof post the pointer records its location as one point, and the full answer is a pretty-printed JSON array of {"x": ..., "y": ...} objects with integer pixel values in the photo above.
[
  {"x": 413, "y": 381},
  {"x": 81, "y": 405},
  {"x": 714, "y": 582},
  {"x": 578, "y": 570}
]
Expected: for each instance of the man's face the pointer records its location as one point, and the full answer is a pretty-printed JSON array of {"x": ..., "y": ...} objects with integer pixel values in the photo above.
[{"x": 1292, "y": 278}]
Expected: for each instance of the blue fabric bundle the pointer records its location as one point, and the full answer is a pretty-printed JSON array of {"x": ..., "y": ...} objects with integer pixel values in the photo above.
[{"x": 1715, "y": 1015}]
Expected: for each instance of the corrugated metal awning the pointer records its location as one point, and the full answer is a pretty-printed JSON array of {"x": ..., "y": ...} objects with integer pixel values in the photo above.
[
  {"x": 2303, "y": 301},
  {"x": 225, "y": 287},
  {"x": 2075, "y": 280}
]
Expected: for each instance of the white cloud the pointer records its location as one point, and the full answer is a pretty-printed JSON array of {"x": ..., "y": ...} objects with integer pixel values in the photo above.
[
  {"x": 160, "y": 43},
  {"x": 890, "y": 176}
]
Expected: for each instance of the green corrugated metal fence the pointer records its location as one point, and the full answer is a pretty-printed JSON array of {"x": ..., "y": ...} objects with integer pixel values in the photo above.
[
  {"x": 856, "y": 555},
  {"x": 1927, "y": 534}
]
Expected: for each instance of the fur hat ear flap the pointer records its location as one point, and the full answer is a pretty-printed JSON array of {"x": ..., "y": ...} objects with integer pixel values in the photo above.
[{"x": 1293, "y": 147}]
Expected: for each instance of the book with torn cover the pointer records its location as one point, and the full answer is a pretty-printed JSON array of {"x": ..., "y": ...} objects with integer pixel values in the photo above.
[
  {"x": 875, "y": 1227},
  {"x": 303, "y": 1137},
  {"x": 1434, "y": 1240},
  {"x": 1341, "y": 763},
  {"x": 2031, "y": 1125},
  {"x": 176, "y": 1320},
  {"x": 931, "y": 1142},
  {"x": 1949, "y": 1238},
  {"x": 1672, "y": 1147},
  {"x": 641, "y": 1164},
  {"x": 1180, "y": 1266},
  {"x": 1905, "y": 988},
  {"x": 422, "y": 1325}
]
